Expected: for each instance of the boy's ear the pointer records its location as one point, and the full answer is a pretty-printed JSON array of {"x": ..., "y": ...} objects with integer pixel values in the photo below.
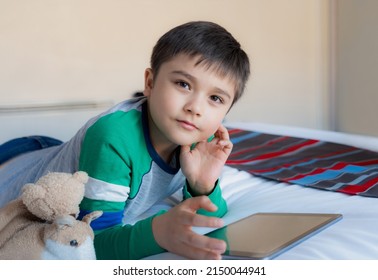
[{"x": 148, "y": 81}]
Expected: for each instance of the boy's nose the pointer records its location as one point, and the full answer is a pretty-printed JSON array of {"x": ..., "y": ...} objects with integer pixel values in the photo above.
[{"x": 194, "y": 106}]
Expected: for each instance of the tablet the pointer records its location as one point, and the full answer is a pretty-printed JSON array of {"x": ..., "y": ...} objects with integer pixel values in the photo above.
[{"x": 266, "y": 235}]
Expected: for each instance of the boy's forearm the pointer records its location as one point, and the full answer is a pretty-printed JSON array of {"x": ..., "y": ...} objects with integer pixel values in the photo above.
[{"x": 127, "y": 242}]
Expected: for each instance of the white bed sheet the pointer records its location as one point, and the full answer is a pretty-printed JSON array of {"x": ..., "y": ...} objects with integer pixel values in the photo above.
[{"x": 355, "y": 237}]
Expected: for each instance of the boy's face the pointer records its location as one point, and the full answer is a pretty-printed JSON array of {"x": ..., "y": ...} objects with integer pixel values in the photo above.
[{"x": 187, "y": 102}]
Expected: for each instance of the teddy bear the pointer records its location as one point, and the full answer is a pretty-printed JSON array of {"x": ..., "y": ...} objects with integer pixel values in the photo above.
[{"x": 42, "y": 223}]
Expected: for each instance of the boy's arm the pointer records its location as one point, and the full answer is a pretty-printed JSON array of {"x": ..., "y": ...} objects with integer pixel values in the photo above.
[
  {"x": 173, "y": 230},
  {"x": 112, "y": 239},
  {"x": 202, "y": 165},
  {"x": 127, "y": 242},
  {"x": 103, "y": 157}
]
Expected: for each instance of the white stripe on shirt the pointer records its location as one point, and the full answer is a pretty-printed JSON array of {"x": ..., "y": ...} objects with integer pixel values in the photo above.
[{"x": 100, "y": 190}]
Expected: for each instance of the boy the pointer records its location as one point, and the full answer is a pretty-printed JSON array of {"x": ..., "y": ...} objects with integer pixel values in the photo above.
[{"x": 141, "y": 151}]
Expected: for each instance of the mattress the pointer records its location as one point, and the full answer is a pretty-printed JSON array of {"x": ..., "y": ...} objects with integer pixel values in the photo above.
[{"x": 355, "y": 237}]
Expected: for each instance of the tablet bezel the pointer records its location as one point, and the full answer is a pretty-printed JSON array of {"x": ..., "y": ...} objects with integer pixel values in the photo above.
[{"x": 302, "y": 235}]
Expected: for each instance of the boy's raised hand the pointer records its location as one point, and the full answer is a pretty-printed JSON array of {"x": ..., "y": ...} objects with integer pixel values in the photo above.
[
  {"x": 203, "y": 165},
  {"x": 173, "y": 230}
]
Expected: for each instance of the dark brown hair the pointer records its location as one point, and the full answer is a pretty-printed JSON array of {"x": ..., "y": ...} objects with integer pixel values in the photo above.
[{"x": 214, "y": 45}]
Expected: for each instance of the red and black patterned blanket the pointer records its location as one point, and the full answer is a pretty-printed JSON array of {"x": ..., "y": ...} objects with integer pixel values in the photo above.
[{"x": 307, "y": 162}]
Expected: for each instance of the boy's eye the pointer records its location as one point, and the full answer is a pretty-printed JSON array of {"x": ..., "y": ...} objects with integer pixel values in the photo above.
[
  {"x": 216, "y": 98},
  {"x": 183, "y": 84}
]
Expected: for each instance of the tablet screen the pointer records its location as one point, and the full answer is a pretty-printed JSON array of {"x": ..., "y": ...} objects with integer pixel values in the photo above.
[{"x": 265, "y": 235}]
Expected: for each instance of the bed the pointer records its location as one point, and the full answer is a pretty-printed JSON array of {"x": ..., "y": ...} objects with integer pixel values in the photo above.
[{"x": 355, "y": 237}]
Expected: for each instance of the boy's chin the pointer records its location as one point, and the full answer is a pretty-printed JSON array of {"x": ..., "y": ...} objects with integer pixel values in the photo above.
[
  {"x": 187, "y": 141},
  {"x": 191, "y": 143}
]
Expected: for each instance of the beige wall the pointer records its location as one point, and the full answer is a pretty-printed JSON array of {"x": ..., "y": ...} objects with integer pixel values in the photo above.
[
  {"x": 357, "y": 67},
  {"x": 74, "y": 50}
]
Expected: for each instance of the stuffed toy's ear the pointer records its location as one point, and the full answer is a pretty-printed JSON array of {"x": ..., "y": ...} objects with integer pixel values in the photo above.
[
  {"x": 68, "y": 238},
  {"x": 91, "y": 216},
  {"x": 81, "y": 176},
  {"x": 64, "y": 221},
  {"x": 33, "y": 191},
  {"x": 31, "y": 194}
]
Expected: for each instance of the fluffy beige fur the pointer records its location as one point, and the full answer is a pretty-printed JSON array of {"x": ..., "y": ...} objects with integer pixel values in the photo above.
[{"x": 41, "y": 224}]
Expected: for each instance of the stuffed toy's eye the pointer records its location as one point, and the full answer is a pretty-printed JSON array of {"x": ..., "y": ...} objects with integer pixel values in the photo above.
[{"x": 74, "y": 243}]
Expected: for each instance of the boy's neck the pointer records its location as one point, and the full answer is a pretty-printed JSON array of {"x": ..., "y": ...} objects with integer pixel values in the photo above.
[{"x": 166, "y": 153}]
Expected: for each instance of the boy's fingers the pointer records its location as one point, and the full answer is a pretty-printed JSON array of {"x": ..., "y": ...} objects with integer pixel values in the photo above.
[
  {"x": 225, "y": 144},
  {"x": 196, "y": 246},
  {"x": 185, "y": 149},
  {"x": 202, "y": 241},
  {"x": 197, "y": 220},
  {"x": 222, "y": 133},
  {"x": 192, "y": 219},
  {"x": 191, "y": 252},
  {"x": 200, "y": 202}
]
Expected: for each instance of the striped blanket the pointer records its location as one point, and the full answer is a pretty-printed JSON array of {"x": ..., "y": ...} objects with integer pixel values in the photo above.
[{"x": 306, "y": 162}]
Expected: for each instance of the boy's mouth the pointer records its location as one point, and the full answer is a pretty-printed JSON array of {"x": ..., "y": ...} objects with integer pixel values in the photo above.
[{"x": 187, "y": 125}]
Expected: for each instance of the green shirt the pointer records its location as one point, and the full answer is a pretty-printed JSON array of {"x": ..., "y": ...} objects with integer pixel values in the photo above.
[{"x": 126, "y": 178}]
